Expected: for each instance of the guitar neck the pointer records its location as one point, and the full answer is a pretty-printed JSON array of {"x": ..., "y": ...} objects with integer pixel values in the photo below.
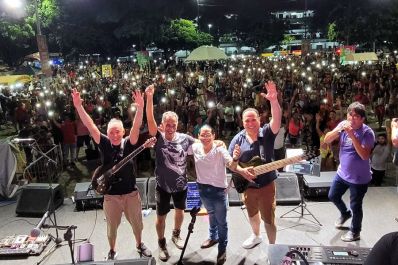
[
  {"x": 124, "y": 161},
  {"x": 262, "y": 169}
]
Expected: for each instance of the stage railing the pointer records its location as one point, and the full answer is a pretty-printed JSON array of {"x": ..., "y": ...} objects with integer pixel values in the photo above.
[{"x": 45, "y": 166}]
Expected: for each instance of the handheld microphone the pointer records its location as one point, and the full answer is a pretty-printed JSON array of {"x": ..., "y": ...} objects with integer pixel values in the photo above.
[
  {"x": 35, "y": 232},
  {"x": 22, "y": 140}
]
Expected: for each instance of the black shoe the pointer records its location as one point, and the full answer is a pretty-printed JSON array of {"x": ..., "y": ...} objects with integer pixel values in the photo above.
[
  {"x": 111, "y": 255},
  {"x": 342, "y": 219},
  {"x": 209, "y": 243},
  {"x": 163, "y": 252},
  {"x": 221, "y": 257},
  {"x": 177, "y": 240},
  {"x": 144, "y": 251}
]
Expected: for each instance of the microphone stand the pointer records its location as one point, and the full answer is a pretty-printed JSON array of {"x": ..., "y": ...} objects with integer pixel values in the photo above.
[
  {"x": 67, "y": 237},
  {"x": 193, "y": 213},
  {"x": 35, "y": 147}
]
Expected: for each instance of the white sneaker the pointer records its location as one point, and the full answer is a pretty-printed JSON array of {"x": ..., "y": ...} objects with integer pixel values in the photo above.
[{"x": 252, "y": 241}]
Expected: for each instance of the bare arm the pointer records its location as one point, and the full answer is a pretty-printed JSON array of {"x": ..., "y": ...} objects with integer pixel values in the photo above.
[
  {"x": 394, "y": 132},
  {"x": 152, "y": 126},
  {"x": 139, "y": 104},
  {"x": 84, "y": 117},
  {"x": 334, "y": 134},
  {"x": 276, "y": 112}
]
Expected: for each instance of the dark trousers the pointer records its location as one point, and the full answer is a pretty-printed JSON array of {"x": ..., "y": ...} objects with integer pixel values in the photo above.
[{"x": 357, "y": 192}]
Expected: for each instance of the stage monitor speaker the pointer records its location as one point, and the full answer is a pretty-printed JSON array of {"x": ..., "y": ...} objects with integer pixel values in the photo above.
[
  {"x": 142, "y": 261},
  {"x": 234, "y": 198},
  {"x": 142, "y": 186},
  {"x": 287, "y": 189},
  {"x": 35, "y": 198},
  {"x": 151, "y": 193}
]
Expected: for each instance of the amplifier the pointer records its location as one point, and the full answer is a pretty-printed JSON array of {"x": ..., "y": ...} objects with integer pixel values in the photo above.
[
  {"x": 316, "y": 187},
  {"x": 86, "y": 199},
  {"x": 318, "y": 255}
]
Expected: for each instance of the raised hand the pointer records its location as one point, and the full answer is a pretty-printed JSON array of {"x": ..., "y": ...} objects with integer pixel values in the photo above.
[
  {"x": 394, "y": 123},
  {"x": 77, "y": 100},
  {"x": 236, "y": 152},
  {"x": 138, "y": 99},
  {"x": 150, "y": 90},
  {"x": 272, "y": 94}
]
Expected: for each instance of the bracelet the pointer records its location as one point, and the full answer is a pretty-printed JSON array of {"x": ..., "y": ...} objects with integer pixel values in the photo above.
[{"x": 235, "y": 160}]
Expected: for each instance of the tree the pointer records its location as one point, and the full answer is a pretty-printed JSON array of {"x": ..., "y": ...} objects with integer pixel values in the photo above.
[
  {"x": 287, "y": 39},
  {"x": 183, "y": 34},
  {"x": 17, "y": 35},
  {"x": 332, "y": 33}
]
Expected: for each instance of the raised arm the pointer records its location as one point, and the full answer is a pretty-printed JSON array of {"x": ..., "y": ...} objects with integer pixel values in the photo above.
[
  {"x": 276, "y": 112},
  {"x": 152, "y": 126},
  {"x": 394, "y": 132},
  {"x": 139, "y": 105},
  {"x": 84, "y": 117}
]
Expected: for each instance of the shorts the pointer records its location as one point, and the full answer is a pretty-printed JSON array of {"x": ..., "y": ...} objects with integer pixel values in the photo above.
[
  {"x": 261, "y": 200},
  {"x": 163, "y": 200}
]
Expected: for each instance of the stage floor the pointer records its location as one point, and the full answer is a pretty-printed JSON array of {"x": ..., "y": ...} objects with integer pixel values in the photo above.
[{"x": 380, "y": 210}]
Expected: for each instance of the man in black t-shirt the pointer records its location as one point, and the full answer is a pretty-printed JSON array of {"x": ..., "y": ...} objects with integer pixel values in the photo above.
[{"x": 123, "y": 195}]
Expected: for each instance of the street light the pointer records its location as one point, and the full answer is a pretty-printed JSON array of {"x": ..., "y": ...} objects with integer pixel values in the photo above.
[
  {"x": 209, "y": 25},
  {"x": 13, "y": 4},
  {"x": 41, "y": 39}
]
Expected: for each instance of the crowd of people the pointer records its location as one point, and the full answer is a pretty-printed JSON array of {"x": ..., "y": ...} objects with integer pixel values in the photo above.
[{"x": 309, "y": 101}]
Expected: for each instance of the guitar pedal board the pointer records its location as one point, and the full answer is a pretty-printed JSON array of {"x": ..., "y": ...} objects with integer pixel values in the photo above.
[
  {"x": 23, "y": 245},
  {"x": 318, "y": 255}
]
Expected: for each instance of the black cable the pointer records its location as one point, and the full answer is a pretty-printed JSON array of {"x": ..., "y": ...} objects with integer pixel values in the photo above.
[
  {"x": 95, "y": 223},
  {"x": 32, "y": 224}
]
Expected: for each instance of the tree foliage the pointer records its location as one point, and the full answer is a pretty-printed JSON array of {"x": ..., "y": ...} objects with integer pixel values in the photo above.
[
  {"x": 332, "y": 34},
  {"x": 17, "y": 35},
  {"x": 184, "y": 34}
]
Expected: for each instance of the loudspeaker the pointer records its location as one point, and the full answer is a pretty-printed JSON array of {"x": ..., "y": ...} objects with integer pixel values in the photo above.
[
  {"x": 287, "y": 189},
  {"x": 151, "y": 194},
  {"x": 234, "y": 198},
  {"x": 35, "y": 198},
  {"x": 142, "y": 186},
  {"x": 142, "y": 261}
]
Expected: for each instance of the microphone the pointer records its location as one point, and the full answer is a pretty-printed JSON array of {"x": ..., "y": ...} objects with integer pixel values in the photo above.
[
  {"x": 35, "y": 232},
  {"x": 22, "y": 140}
]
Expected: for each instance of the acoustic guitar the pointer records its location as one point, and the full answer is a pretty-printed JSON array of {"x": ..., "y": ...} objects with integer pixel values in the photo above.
[
  {"x": 103, "y": 176},
  {"x": 241, "y": 184}
]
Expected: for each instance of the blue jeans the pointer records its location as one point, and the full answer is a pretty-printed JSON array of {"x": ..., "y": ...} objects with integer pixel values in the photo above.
[
  {"x": 357, "y": 192},
  {"x": 215, "y": 202}
]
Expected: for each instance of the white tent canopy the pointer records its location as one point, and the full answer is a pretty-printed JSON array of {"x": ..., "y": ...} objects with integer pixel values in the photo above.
[
  {"x": 206, "y": 53},
  {"x": 358, "y": 57}
]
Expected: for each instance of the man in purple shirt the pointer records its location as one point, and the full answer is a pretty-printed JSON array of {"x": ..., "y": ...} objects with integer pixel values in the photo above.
[{"x": 356, "y": 143}]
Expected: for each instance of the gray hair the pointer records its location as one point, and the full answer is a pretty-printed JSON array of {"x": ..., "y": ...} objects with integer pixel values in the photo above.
[
  {"x": 114, "y": 123},
  {"x": 168, "y": 114}
]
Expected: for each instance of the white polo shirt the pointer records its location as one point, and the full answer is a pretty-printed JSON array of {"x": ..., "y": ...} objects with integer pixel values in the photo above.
[{"x": 210, "y": 167}]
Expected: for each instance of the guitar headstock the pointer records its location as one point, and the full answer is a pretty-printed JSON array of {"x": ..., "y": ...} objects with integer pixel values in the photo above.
[
  {"x": 150, "y": 142},
  {"x": 311, "y": 153}
]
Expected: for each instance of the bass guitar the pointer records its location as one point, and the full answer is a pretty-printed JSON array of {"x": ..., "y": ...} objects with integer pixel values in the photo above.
[
  {"x": 103, "y": 177},
  {"x": 241, "y": 184}
]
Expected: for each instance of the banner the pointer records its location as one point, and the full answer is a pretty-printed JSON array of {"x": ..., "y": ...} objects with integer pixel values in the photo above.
[
  {"x": 142, "y": 58},
  {"x": 106, "y": 70}
]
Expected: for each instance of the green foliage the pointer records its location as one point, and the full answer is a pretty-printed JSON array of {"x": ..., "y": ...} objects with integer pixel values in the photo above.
[
  {"x": 17, "y": 35},
  {"x": 332, "y": 33},
  {"x": 287, "y": 39},
  {"x": 183, "y": 34}
]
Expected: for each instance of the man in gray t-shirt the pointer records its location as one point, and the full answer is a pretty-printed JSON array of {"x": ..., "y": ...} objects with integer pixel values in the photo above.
[
  {"x": 171, "y": 162},
  {"x": 171, "y": 153}
]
